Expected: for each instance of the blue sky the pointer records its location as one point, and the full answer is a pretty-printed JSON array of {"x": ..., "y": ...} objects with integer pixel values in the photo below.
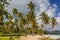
[
  {"x": 57, "y": 2},
  {"x": 51, "y": 7}
]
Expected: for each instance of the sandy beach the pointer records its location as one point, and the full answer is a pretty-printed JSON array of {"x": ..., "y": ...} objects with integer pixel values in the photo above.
[{"x": 36, "y": 37}]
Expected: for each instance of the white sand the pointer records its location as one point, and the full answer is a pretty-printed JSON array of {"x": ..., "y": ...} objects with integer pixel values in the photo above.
[
  {"x": 30, "y": 37},
  {"x": 36, "y": 37}
]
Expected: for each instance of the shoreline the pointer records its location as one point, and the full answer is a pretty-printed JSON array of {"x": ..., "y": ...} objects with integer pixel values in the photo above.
[{"x": 53, "y": 36}]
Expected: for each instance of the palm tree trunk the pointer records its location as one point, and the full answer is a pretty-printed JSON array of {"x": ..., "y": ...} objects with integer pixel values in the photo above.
[
  {"x": 33, "y": 31},
  {"x": 41, "y": 32},
  {"x": 10, "y": 35},
  {"x": 51, "y": 33},
  {"x": 25, "y": 32},
  {"x": 22, "y": 30}
]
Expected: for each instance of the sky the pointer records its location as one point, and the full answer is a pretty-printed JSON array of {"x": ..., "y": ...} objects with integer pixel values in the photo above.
[{"x": 51, "y": 7}]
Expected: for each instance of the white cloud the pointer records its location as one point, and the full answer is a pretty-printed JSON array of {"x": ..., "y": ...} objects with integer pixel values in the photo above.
[
  {"x": 21, "y": 5},
  {"x": 58, "y": 19},
  {"x": 43, "y": 5},
  {"x": 59, "y": 14},
  {"x": 51, "y": 10}
]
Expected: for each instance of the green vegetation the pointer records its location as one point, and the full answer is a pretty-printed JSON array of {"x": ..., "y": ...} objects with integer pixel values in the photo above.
[
  {"x": 4, "y": 38},
  {"x": 7, "y": 38}
]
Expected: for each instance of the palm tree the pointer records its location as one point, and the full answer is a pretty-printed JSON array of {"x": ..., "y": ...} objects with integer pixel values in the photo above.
[
  {"x": 10, "y": 25},
  {"x": 21, "y": 19},
  {"x": 22, "y": 23},
  {"x": 19, "y": 14},
  {"x": 3, "y": 12},
  {"x": 31, "y": 16},
  {"x": 41, "y": 26},
  {"x": 16, "y": 25},
  {"x": 44, "y": 17},
  {"x": 53, "y": 23},
  {"x": 31, "y": 6},
  {"x": 6, "y": 26},
  {"x": 14, "y": 11},
  {"x": 3, "y": 4}
]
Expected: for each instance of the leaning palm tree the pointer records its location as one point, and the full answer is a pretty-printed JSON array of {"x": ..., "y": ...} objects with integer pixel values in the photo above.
[
  {"x": 15, "y": 12},
  {"x": 21, "y": 20},
  {"x": 10, "y": 24},
  {"x": 44, "y": 17},
  {"x": 53, "y": 22}
]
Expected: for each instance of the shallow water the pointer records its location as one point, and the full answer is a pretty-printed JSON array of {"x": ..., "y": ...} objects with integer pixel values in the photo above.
[{"x": 54, "y": 36}]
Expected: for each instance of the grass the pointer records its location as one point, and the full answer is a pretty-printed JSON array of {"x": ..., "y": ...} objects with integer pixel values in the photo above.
[
  {"x": 8, "y": 35},
  {"x": 7, "y": 38},
  {"x": 4, "y": 38},
  {"x": 45, "y": 38}
]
